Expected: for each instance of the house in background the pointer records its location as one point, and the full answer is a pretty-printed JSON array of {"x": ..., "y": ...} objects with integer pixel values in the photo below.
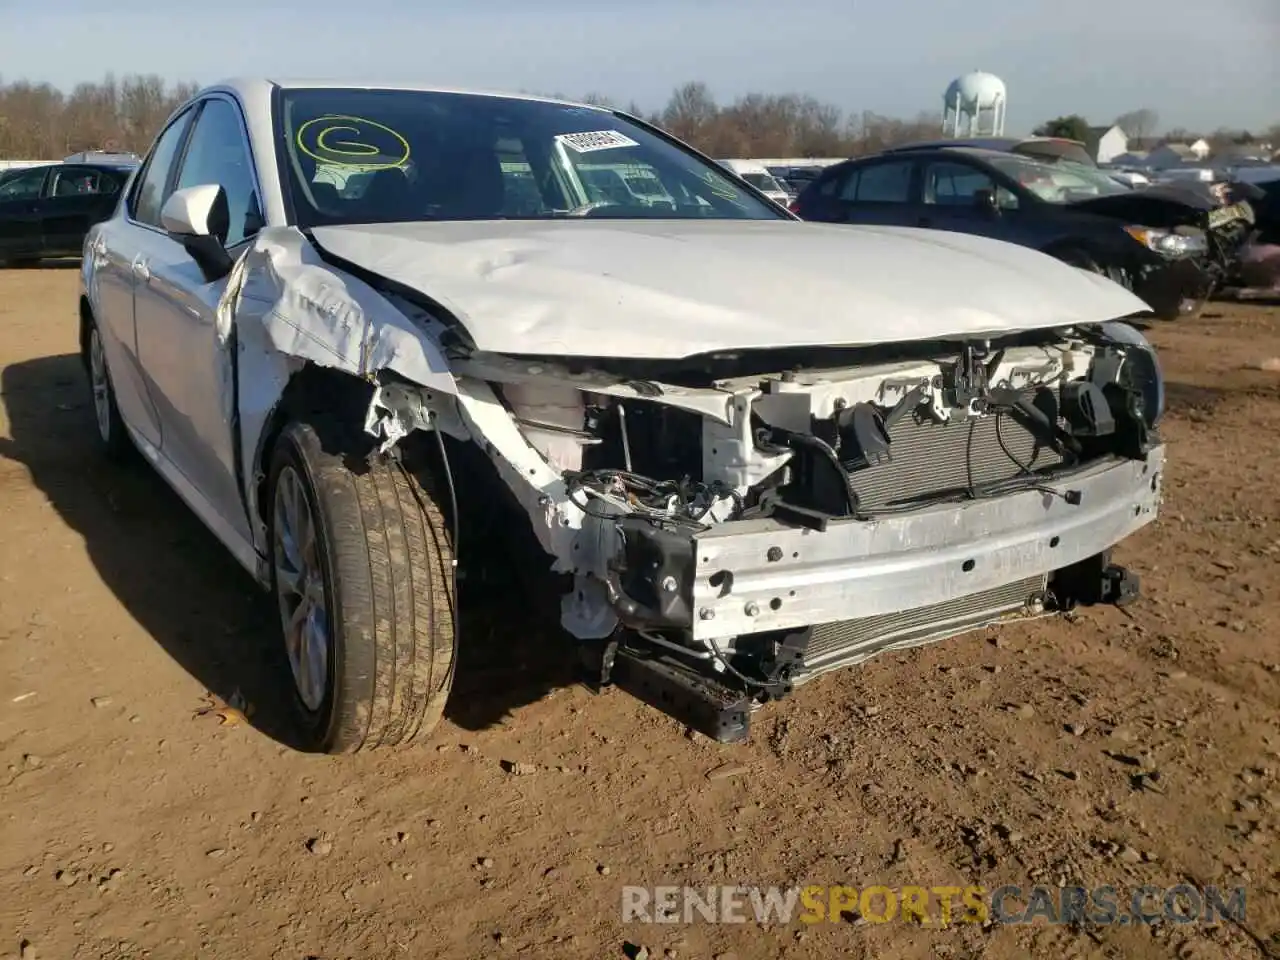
[
  {"x": 1106, "y": 143},
  {"x": 1243, "y": 152},
  {"x": 1174, "y": 155},
  {"x": 1201, "y": 148}
]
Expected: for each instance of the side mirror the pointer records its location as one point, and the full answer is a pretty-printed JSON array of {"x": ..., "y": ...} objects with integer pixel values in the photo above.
[
  {"x": 985, "y": 201},
  {"x": 197, "y": 217}
]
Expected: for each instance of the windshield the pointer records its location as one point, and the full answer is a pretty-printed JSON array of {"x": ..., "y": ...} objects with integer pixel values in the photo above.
[
  {"x": 1061, "y": 182},
  {"x": 381, "y": 156}
]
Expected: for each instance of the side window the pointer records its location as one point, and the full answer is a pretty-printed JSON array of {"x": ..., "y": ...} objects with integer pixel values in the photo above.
[
  {"x": 23, "y": 186},
  {"x": 217, "y": 153},
  {"x": 880, "y": 183},
  {"x": 957, "y": 184},
  {"x": 829, "y": 184},
  {"x": 149, "y": 194},
  {"x": 82, "y": 181}
]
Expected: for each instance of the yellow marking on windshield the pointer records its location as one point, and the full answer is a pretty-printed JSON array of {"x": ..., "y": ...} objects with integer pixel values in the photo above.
[
  {"x": 331, "y": 142},
  {"x": 722, "y": 189}
]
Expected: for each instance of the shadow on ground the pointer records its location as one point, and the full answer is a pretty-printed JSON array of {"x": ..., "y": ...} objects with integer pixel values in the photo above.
[
  {"x": 1189, "y": 398},
  {"x": 56, "y": 263},
  {"x": 178, "y": 581}
]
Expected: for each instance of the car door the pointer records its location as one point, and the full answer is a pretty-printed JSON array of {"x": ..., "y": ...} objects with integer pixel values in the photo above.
[
  {"x": 75, "y": 198},
  {"x": 20, "y": 193},
  {"x": 111, "y": 277},
  {"x": 952, "y": 198},
  {"x": 882, "y": 192},
  {"x": 175, "y": 311}
]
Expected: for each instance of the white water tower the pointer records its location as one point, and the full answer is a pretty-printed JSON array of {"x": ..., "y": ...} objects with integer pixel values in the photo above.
[{"x": 974, "y": 106}]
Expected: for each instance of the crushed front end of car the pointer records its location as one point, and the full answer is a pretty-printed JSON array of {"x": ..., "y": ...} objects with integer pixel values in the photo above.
[
  {"x": 1192, "y": 238},
  {"x": 718, "y": 524},
  {"x": 730, "y": 526}
]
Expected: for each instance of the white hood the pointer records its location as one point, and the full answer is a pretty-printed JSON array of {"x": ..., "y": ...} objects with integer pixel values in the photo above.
[{"x": 666, "y": 289}]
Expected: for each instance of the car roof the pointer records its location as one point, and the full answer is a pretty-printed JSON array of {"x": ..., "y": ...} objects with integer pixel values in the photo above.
[
  {"x": 995, "y": 144},
  {"x": 98, "y": 164},
  {"x": 987, "y": 143},
  {"x": 1040, "y": 148},
  {"x": 53, "y": 164},
  {"x": 980, "y": 153},
  {"x": 252, "y": 87}
]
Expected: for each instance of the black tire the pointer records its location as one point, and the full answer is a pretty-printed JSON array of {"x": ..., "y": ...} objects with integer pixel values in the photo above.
[
  {"x": 1174, "y": 307},
  {"x": 113, "y": 438},
  {"x": 386, "y": 564}
]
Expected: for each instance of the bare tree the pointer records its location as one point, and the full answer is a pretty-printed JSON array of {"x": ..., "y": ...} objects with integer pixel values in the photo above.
[
  {"x": 690, "y": 112},
  {"x": 1180, "y": 135},
  {"x": 1073, "y": 127},
  {"x": 40, "y": 122},
  {"x": 599, "y": 100},
  {"x": 783, "y": 125},
  {"x": 1139, "y": 124}
]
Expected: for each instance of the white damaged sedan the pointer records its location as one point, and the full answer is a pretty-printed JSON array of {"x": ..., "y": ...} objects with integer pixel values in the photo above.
[{"x": 364, "y": 331}]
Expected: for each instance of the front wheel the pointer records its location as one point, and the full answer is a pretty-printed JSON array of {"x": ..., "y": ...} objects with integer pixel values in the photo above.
[{"x": 362, "y": 568}]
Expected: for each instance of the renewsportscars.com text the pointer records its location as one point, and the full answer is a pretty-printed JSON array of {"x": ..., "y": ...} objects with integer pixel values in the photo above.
[{"x": 932, "y": 906}]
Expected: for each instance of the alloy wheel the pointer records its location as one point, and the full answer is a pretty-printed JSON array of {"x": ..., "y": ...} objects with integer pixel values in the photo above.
[
  {"x": 304, "y": 607},
  {"x": 101, "y": 386}
]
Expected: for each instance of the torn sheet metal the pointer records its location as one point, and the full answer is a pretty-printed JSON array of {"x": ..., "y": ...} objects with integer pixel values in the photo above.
[
  {"x": 315, "y": 312},
  {"x": 287, "y": 307},
  {"x": 397, "y": 410}
]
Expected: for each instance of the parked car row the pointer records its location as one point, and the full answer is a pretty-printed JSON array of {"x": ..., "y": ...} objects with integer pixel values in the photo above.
[
  {"x": 46, "y": 210},
  {"x": 1259, "y": 267},
  {"x": 732, "y": 448},
  {"x": 1172, "y": 245},
  {"x": 760, "y": 177}
]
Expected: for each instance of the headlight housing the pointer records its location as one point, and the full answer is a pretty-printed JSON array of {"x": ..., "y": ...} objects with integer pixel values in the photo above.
[
  {"x": 1185, "y": 242},
  {"x": 1140, "y": 369}
]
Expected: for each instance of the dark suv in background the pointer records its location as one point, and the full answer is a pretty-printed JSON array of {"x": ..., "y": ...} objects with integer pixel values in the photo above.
[
  {"x": 1171, "y": 245},
  {"x": 45, "y": 211}
]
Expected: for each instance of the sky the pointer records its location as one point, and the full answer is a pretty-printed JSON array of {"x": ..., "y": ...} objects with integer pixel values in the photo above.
[{"x": 1201, "y": 64}]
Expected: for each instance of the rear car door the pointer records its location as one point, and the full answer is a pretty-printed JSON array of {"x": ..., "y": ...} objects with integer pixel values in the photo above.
[
  {"x": 176, "y": 308},
  {"x": 20, "y": 193},
  {"x": 883, "y": 192},
  {"x": 75, "y": 198}
]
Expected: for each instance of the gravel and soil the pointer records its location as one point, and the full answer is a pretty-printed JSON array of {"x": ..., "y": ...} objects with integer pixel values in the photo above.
[{"x": 150, "y": 808}]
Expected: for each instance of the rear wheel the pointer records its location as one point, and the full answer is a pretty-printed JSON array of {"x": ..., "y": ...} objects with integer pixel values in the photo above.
[
  {"x": 363, "y": 575},
  {"x": 112, "y": 434}
]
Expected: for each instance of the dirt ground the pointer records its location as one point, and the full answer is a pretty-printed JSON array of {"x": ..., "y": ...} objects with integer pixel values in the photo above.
[{"x": 1122, "y": 748}]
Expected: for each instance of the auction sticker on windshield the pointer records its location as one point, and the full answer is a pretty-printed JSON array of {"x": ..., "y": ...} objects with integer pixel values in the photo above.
[{"x": 589, "y": 142}]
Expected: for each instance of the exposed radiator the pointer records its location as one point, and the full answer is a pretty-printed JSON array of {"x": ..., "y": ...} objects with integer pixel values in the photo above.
[
  {"x": 930, "y": 458},
  {"x": 846, "y": 642}
]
